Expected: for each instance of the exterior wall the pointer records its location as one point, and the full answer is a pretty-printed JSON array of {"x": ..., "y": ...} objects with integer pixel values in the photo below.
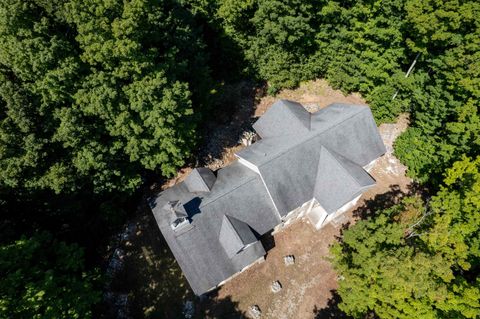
[
  {"x": 343, "y": 209},
  {"x": 304, "y": 210},
  {"x": 370, "y": 165},
  {"x": 315, "y": 215},
  {"x": 294, "y": 215}
]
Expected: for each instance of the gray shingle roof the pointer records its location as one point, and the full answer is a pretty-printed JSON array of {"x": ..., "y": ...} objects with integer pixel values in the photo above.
[
  {"x": 299, "y": 157},
  {"x": 235, "y": 235},
  {"x": 175, "y": 209},
  {"x": 237, "y": 192},
  {"x": 289, "y": 165},
  {"x": 201, "y": 179},
  {"x": 338, "y": 180},
  {"x": 283, "y": 118}
]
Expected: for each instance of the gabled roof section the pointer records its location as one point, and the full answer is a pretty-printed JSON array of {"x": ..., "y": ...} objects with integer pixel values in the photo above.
[
  {"x": 238, "y": 192},
  {"x": 201, "y": 179},
  {"x": 357, "y": 172},
  {"x": 338, "y": 180},
  {"x": 283, "y": 118},
  {"x": 234, "y": 235},
  {"x": 289, "y": 166}
]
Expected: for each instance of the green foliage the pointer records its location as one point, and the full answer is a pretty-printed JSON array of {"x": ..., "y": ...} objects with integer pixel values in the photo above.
[
  {"x": 93, "y": 93},
  {"x": 445, "y": 88},
  {"x": 368, "y": 46},
  {"x": 456, "y": 220},
  {"x": 277, "y": 37},
  {"x": 41, "y": 277},
  {"x": 413, "y": 261},
  {"x": 368, "y": 50}
]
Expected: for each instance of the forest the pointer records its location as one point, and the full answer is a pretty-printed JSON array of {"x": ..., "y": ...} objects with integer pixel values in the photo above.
[{"x": 98, "y": 98}]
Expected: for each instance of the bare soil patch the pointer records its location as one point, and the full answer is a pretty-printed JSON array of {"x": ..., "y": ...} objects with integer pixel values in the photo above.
[{"x": 312, "y": 94}]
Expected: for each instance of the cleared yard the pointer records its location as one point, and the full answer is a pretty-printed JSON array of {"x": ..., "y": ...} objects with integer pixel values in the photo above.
[{"x": 154, "y": 284}]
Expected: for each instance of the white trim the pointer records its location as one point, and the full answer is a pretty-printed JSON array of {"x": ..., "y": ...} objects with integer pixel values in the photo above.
[
  {"x": 248, "y": 164},
  {"x": 317, "y": 216},
  {"x": 370, "y": 165},
  {"x": 256, "y": 170},
  {"x": 271, "y": 198},
  {"x": 349, "y": 205},
  {"x": 184, "y": 222}
]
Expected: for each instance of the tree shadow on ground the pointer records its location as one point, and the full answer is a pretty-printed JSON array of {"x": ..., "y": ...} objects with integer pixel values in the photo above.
[
  {"x": 368, "y": 210},
  {"x": 383, "y": 201},
  {"x": 388, "y": 199},
  {"x": 153, "y": 282},
  {"x": 150, "y": 275},
  {"x": 231, "y": 116},
  {"x": 213, "y": 307},
  {"x": 331, "y": 311}
]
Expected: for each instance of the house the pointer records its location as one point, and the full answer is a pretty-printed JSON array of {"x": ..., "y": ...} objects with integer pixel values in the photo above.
[{"x": 313, "y": 165}]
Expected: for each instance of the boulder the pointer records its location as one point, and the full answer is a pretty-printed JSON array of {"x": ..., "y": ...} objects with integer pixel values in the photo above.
[{"x": 276, "y": 286}]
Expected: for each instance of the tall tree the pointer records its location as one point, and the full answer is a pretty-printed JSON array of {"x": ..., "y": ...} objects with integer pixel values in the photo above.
[
  {"x": 95, "y": 92},
  {"x": 41, "y": 277},
  {"x": 278, "y": 38},
  {"x": 412, "y": 260}
]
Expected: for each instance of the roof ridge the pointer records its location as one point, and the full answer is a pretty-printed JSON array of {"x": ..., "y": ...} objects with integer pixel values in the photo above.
[
  {"x": 201, "y": 178},
  {"x": 226, "y": 193},
  {"x": 341, "y": 165},
  {"x": 290, "y": 109},
  {"x": 315, "y": 136},
  {"x": 236, "y": 234}
]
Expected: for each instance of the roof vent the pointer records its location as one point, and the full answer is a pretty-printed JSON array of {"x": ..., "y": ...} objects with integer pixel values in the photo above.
[
  {"x": 178, "y": 214},
  {"x": 200, "y": 180}
]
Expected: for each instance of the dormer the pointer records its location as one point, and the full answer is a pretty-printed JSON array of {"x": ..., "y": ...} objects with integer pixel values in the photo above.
[
  {"x": 200, "y": 180},
  {"x": 235, "y": 235},
  {"x": 178, "y": 214}
]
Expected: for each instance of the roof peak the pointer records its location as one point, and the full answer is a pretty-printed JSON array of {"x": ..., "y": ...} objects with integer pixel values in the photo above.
[
  {"x": 201, "y": 179},
  {"x": 235, "y": 235},
  {"x": 284, "y": 117},
  {"x": 355, "y": 171}
]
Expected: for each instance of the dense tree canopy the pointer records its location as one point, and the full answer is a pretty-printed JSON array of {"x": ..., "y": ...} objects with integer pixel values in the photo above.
[
  {"x": 94, "y": 92},
  {"x": 44, "y": 278},
  {"x": 368, "y": 46},
  {"x": 412, "y": 260}
]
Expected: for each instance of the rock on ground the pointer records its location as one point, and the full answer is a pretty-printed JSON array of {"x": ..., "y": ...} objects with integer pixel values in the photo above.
[
  {"x": 289, "y": 260},
  {"x": 276, "y": 286},
  {"x": 254, "y": 312}
]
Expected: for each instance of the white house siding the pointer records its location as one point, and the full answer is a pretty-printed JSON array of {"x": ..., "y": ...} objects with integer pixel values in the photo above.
[
  {"x": 343, "y": 209},
  {"x": 293, "y": 215},
  {"x": 370, "y": 165}
]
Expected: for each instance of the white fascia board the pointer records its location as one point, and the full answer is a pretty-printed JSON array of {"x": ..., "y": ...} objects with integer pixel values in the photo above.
[
  {"x": 370, "y": 165},
  {"x": 248, "y": 164}
]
